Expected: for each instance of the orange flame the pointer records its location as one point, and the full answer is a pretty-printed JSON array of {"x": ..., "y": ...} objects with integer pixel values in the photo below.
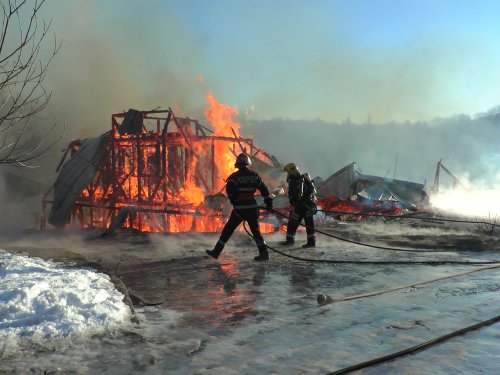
[
  {"x": 143, "y": 186},
  {"x": 190, "y": 192},
  {"x": 220, "y": 116}
]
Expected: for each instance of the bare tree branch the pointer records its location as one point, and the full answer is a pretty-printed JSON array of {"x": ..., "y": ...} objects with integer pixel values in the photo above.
[{"x": 22, "y": 73}]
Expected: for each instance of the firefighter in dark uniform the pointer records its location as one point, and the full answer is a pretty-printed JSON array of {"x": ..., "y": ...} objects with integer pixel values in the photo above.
[
  {"x": 302, "y": 196},
  {"x": 240, "y": 189}
]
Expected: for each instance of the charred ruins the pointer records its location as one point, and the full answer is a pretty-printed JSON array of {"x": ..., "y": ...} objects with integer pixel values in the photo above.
[{"x": 155, "y": 172}]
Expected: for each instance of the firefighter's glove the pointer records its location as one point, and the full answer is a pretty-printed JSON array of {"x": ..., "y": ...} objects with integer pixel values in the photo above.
[{"x": 269, "y": 204}]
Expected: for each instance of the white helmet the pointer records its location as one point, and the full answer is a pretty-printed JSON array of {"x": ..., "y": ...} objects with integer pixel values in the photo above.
[{"x": 242, "y": 160}]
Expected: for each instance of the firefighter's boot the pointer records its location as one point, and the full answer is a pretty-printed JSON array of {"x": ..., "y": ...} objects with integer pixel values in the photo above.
[
  {"x": 311, "y": 242},
  {"x": 216, "y": 250},
  {"x": 290, "y": 240},
  {"x": 263, "y": 254}
]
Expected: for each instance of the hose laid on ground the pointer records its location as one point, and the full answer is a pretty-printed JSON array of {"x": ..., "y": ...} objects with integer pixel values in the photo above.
[
  {"x": 428, "y": 262},
  {"x": 414, "y": 285},
  {"x": 400, "y": 216},
  {"x": 352, "y": 241},
  {"x": 415, "y": 348},
  {"x": 438, "y": 262},
  {"x": 412, "y": 349}
]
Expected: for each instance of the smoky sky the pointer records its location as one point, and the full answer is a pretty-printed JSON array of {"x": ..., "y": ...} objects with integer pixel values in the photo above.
[
  {"x": 327, "y": 89},
  {"x": 286, "y": 59},
  {"x": 468, "y": 147},
  {"x": 329, "y": 83}
]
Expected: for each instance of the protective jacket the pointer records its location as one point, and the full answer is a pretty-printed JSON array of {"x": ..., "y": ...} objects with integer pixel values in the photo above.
[
  {"x": 300, "y": 189},
  {"x": 241, "y": 187},
  {"x": 302, "y": 195}
]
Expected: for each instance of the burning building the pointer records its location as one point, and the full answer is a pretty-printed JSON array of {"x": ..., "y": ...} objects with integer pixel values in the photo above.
[
  {"x": 156, "y": 172},
  {"x": 153, "y": 172}
]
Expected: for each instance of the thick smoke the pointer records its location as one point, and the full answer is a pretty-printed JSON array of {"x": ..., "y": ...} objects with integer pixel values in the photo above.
[
  {"x": 109, "y": 64},
  {"x": 112, "y": 61},
  {"x": 409, "y": 151}
]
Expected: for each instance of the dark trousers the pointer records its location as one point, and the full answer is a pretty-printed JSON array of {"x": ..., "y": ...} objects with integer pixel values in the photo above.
[
  {"x": 251, "y": 216},
  {"x": 297, "y": 214}
]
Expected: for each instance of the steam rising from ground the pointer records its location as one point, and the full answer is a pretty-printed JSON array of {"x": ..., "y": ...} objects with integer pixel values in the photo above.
[
  {"x": 484, "y": 203},
  {"x": 480, "y": 198}
]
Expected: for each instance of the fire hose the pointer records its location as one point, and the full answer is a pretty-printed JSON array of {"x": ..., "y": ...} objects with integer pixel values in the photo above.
[
  {"x": 323, "y": 299},
  {"x": 416, "y": 348},
  {"x": 399, "y": 216},
  {"x": 429, "y": 262},
  {"x": 412, "y": 349}
]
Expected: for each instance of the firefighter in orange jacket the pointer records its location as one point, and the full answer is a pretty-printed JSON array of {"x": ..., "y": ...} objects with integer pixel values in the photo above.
[
  {"x": 302, "y": 196},
  {"x": 240, "y": 189}
]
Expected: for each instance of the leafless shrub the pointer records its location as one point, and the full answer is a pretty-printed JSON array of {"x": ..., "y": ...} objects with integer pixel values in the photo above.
[
  {"x": 488, "y": 226},
  {"x": 23, "y": 68}
]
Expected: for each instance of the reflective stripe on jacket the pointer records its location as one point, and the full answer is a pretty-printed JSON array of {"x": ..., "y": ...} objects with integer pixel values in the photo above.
[{"x": 241, "y": 187}]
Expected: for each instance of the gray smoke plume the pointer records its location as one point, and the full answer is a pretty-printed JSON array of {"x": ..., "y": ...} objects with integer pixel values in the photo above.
[
  {"x": 409, "y": 151},
  {"x": 110, "y": 63}
]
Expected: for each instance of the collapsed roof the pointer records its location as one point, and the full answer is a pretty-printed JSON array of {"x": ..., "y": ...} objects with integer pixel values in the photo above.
[
  {"x": 76, "y": 174},
  {"x": 349, "y": 181}
]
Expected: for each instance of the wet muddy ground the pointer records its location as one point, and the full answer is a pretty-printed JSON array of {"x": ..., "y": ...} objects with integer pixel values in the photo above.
[
  {"x": 174, "y": 270},
  {"x": 236, "y": 315}
]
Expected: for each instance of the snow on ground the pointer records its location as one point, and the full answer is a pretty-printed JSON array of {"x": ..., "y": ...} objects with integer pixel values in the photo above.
[
  {"x": 237, "y": 316},
  {"x": 44, "y": 304}
]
